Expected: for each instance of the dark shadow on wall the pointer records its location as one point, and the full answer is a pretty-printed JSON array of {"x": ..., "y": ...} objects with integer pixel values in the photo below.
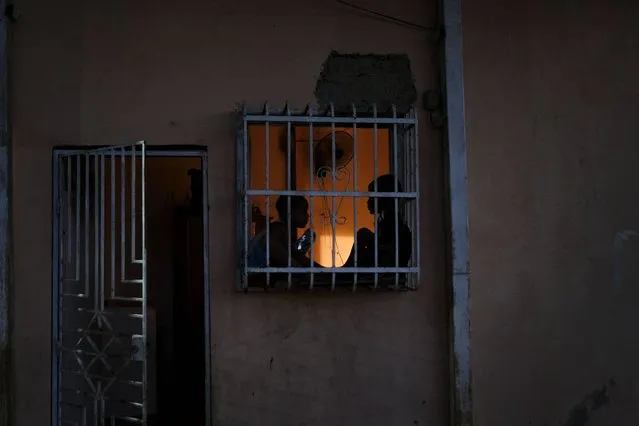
[{"x": 581, "y": 413}]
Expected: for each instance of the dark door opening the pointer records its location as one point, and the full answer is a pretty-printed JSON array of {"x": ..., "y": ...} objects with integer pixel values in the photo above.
[{"x": 176, "y": 273}]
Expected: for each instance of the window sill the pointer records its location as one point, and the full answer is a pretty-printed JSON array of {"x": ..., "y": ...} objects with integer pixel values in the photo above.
[{"x": 324, "y": 282}]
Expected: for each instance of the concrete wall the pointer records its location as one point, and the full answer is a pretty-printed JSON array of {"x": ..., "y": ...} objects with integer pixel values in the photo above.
[
  {"x": 94, "y": 72},
  {"x": 552, "y": 118}
]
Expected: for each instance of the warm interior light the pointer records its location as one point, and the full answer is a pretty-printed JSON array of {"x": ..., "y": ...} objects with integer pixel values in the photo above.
[
  {"x": 343, "y": 245},
  {"x": 322, "y": 206}
]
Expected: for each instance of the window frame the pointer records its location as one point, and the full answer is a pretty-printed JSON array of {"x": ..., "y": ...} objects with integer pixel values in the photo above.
[{"x": 403, "y": 152}]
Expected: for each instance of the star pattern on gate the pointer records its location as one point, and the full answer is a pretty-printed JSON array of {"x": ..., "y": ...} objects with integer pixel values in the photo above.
[{"x": 95, "y": 382}]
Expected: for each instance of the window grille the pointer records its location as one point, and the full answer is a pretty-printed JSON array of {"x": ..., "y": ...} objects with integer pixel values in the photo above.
[{"x": 328, "y": 158}]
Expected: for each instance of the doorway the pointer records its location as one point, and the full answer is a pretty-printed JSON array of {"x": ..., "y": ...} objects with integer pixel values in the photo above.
[{"x": 131, "y": 296}]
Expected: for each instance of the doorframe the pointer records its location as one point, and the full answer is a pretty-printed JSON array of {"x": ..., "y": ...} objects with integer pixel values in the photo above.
[
  {"x": 175, "y": 151},
  {"x": 7, "y": 365}
]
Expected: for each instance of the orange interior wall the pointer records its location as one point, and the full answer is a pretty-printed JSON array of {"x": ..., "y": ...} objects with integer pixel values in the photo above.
[{"x": 362, "y": 163}]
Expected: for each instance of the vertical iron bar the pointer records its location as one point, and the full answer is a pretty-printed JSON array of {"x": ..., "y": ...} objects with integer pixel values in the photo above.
[
  {"x": 64, "y": 250},
  {"x": 414, "y": 205},
  {"x": 96, "y": 239},
  {"x": 112, "y": 236},
  {"x": 311, "y": 187},
  {"x": 289, "y": 162},
  {"x": 96, "y": 410},
  {"x": 241, "y": 234},
  {"x": 86, "y": 225},
  {"x": 133, "y": 204},
  {"x": 67, "y": 165},
  {"x": 333, "y": 212},
  {"x": 410, "y": 208},
  {"x": 417, "y": 234},
  {"x": 103, "y": 410},
  {"x": 78, "y": 216},
  {"x": 245, "y": 201},
  {"x": 144, "y": 284},
  {"x": 401, "y": 152},
  {"x": 405, "y": 180},
  {"x": 102, "y": 229},
  {"x": 267, "y": 172},
  {"x": 375, "y": 200},
  {"x": 122, "y": 217},
  {"x": 60, "y": 298},
  {"x": 396, "y": 201},
  {"x": 355, "y": 199}
]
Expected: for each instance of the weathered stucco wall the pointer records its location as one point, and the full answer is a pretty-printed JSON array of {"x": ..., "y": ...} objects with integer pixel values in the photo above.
[
  {"x": 552, "y": 117},
  {"x": 94, "y": 72}
]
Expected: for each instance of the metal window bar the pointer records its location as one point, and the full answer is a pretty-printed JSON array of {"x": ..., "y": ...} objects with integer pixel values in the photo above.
[
  {"x": 355, "y": 185},
  {"x": 414, "y": 146},
  {"x": 375, "y": 200},
  {"x": 396, "y": 200},
  {"x": 403, "y": 164},
  {"x": 311, "y": 187},
  {"x": 333, "y": 188},
  {"x": 289, "y": 229},
  {"x": 267, "y": 157}
]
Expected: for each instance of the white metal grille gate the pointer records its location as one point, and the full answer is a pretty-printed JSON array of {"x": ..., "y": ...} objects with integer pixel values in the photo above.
[{"x": 100, "y": 301}]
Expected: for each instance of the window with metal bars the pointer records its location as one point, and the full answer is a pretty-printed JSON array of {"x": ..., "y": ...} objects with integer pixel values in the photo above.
[{"x": 328, "y": 199}]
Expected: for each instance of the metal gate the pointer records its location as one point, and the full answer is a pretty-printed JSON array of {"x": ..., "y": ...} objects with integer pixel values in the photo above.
[{"x": 100, "y": 312}]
